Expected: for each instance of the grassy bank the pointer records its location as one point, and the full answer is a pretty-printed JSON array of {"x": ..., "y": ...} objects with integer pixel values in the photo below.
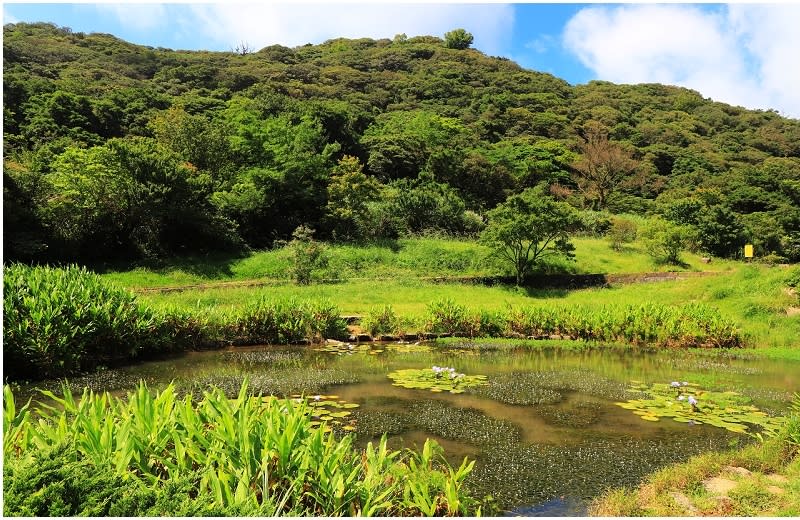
[
  {"x": 400, "y": 259},
  {"x": 760, "y": 480},
  {"x": 753, "y": 297}
]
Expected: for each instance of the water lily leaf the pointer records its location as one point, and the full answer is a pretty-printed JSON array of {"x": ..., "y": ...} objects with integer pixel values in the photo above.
[{"x": 724, "y": 409}]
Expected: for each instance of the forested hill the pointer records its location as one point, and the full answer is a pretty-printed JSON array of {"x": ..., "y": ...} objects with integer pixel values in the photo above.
[{"x": 114, "y": 150}]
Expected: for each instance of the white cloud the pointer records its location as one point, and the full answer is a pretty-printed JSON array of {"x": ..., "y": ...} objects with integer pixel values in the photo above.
[
  {"x": 541, "y": 45},
  {"x": 8, "y": 17},
  {"x": 141, "y": 17},
  {"x": 743, "y": 54},
  {"x": 297, "y": 24}
]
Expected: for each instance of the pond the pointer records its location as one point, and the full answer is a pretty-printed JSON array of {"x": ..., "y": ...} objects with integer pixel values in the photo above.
[{"x": 544, "y": 428}]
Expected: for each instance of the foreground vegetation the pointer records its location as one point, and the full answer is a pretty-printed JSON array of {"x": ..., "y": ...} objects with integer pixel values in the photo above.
[
  {"x": 155, "y": 454},
  {"x": 760, "y": 480}
]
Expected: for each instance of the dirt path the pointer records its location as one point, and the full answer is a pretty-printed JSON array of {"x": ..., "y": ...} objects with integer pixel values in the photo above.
[{"x": 556, "y": 281}]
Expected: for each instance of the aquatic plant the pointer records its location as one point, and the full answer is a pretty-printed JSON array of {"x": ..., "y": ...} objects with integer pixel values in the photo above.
[
  {"x": 382, "y": 320},
  {"x": 327, "y": 411},
  {"x": 436, "y": 379},
  {"x": 249, "y": 453},
  {"x": 59, "y": 322},
  {"x": 288, "y": 321},
  {"x": 688, "y": 403}
]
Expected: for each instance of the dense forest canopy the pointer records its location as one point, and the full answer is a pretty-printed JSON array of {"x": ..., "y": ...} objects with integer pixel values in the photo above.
[{"x": 120, "y": 151}]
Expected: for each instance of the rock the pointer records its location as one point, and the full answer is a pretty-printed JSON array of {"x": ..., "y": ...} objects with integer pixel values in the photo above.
[
  {"x": 780, "y": 479},
  {"x": 334, "y": 342},
  {"x": 706, "y": 260},
  {"x": 554, "y": 336},
  {"x": 684, "y": 502},
  {"x": 516, "y": 335},
  {"x": 364, "y": 338},
  {"x": 387, "y": 337},
  {"x": 352, "y": 338},
  {"x": 411, "y": 337},
  {"x": 719, "y": 485},
  {"x": 775, "y": 490},
  {"x": 736, "y": 469}
]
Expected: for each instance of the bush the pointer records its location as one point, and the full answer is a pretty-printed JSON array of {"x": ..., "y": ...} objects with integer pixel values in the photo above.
[
  {"x": 287, "y": 321},
  {"x": 61, "y": 321},
  {"x": 623, "y": 231},
  {"x": 308, "y": 255},
  {"x": 664, "y": 240},
  {"x": 381, "y": 320}
]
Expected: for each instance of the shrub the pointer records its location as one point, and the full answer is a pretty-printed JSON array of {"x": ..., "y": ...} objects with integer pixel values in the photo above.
[
  {"x": 61, "y": 321},
  {"x": 623, "y": 231},
  {"x": 664, "y": 240},
  {"x": 308, "y": 255},
  {"x": 287, "y": 321},
  {"x": 381, "y": 320}
]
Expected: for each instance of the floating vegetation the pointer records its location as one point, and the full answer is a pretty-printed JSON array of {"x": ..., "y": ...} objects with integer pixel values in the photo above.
[
  {"x": 688, "y": 403},
  {"x": 460, "y": 424},
  {"x": 348, "y": 349},
  {"x": 520, "y": 388},
  {"x": 579, "y": 415},
  {"x": 517, "y": 474},
  {"x": 327, "y": 410},
  {"x": 269, "y": 358},
  {"x": 408, "y": 348},
  {"x": 274, "y": 382},
  {"x": 436, "y": 379},
  {"x": 548, "y": 387},
  {"x": 374, "y": 423}
]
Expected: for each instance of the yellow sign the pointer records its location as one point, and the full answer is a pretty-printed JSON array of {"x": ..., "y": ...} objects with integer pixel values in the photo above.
[{"x": 748, "y": 250}]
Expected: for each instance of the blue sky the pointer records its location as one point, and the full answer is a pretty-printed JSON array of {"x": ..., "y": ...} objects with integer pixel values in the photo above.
[{"x": 743, "y": 54}]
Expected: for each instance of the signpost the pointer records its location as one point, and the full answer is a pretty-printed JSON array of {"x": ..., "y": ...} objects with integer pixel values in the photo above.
[{"x": 748, "y": 250}]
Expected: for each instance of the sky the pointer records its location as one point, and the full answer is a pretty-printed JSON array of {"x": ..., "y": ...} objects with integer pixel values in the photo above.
[{"x": 742, "y": 54}]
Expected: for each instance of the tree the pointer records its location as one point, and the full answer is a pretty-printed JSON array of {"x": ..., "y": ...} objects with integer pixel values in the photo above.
[
  {"x": 602, "y": 166},
  {"x": 665, "y": 240},
  {"x": 458, "y": 39},
  {"x": 307, "y": 254},
  {"x": 349, "y": 191},
  {"x": 528, "y": 227}
]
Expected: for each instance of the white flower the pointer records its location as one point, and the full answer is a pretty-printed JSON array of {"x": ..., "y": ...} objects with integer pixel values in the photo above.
[
  {"x": 685, "y": 383},
  {"x": 681, "y": 397},
  {"x": 674, "y": 384},
  {"x": 692, "y": 400}
]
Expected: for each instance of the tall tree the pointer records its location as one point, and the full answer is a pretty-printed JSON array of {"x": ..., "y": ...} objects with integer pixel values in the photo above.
[{"x": 602, "y": 166}]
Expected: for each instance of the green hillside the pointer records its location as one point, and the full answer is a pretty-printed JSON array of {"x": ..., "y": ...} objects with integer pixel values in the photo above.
[{"x": 114, "y": 151}]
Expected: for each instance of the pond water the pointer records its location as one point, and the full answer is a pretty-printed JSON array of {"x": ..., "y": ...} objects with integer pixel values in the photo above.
[{"x": 544, "y": 430}]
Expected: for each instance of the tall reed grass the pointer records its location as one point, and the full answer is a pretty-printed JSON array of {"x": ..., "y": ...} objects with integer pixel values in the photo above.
[
  {"x": 690, "y": 325},
  {"x": 262, "y": 455}
]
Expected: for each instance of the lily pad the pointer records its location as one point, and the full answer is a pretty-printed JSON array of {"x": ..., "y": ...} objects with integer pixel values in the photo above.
[
  {"x": 689, "y": 403},
  {"x": 436, "y": 379}
]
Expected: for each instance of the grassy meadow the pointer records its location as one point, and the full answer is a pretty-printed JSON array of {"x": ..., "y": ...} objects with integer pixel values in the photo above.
[{"x": 361, "y": 279}]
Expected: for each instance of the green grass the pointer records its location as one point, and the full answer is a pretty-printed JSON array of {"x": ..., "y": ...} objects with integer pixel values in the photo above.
[
  {"x": 751, "y": 296},
  {"x": 404, "y": 258}
]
